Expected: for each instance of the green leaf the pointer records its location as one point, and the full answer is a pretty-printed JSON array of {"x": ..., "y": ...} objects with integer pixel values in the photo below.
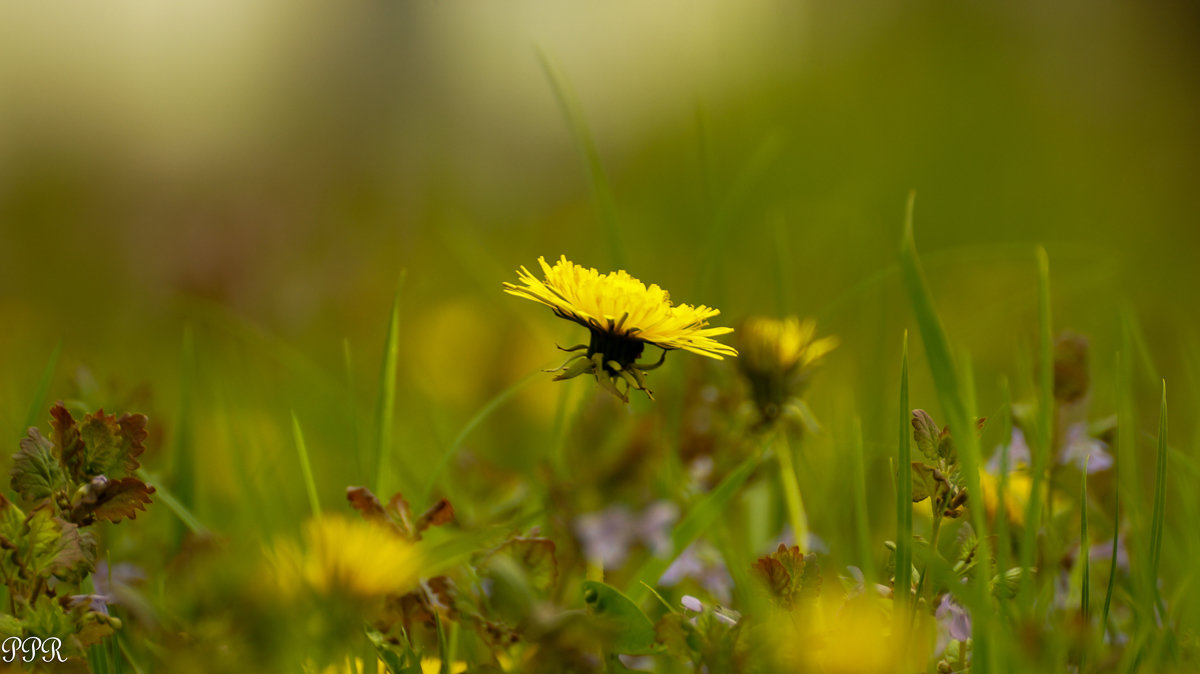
[
  {"x": 111, "y": 445},
  {"x": 77, "y": 555},
  {"x": 926, "y": 481},
  {"x": 925, "y": 434},
  {"x": 12, "y": 520},
  {"x": 634, "y": 633},
  {"x": 1005, "y": 585},
  {"x": 36, "y": 474},
  {"x": 42, "y": 542},
  {"x": 9, "y": 626},
  {"x": 95, "y": 627},
  {"x": 677, "y": 635},
  {"x": 810, "y": 582},
  {"x": 534, "y": 556},
  {"x": 47, "y": 618}
]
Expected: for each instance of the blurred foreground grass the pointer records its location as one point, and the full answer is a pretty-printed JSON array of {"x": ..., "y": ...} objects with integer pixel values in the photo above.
[{"x": 206, "y": 215}]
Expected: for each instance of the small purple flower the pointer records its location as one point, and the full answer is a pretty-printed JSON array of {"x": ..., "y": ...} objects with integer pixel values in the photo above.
[
  {"x": 703, "y": 564},
  {"x": 692, "y": 604},
  {"x": 954, "y": 619},
  {"x": 1083, "y": 450},
  {"x": 608, "y": 535},
  {"x": 1018, "y": 453},
  {"x": 654, "y": 528}
]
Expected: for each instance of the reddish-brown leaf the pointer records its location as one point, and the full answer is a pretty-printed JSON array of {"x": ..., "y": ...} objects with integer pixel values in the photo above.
[
  {"x": 121, "y": 499},
  {"x": 441, "y": 513},
  {"x": 402, "y": 515},
  {"x": 365, "y": 502},
  {"x": 777, "y": 578},
  {"x": 65, "y": 436}
]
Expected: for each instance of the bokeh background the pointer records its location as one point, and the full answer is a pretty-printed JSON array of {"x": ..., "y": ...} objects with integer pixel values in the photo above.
[{"x": 211, "y": 208}]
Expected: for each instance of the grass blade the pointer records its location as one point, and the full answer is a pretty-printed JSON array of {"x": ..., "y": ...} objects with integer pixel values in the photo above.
[
  {"x": 164, "y": 496},
  {"x": 1160, "y": 500},
  {"x": 305, "y": 467},
  {"x": 1042, "y": 448},
  {"x": 904, "y": 523},
  {"x": 1003, "y": 542},
  {"x": 386, "y": 412},
  {"x": 862, "y": 524},
  {"x": 601, "y": 190},
  {"x": 702, "y": 516},
  {"x": 483, "y": 413},
  {"x": 183, "y": 454},
  {"x": 1112, "y": 564},
  {"x": 1084, "y": 545},
  {"x": 958, "y": 417},
  {"x": 37, "y": 406}
]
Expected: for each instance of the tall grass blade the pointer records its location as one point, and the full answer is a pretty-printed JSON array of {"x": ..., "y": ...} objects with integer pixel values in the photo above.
[
  {"x": 1160, "y": 500},
  {"x": 1112, "y": 564},
  {"x": 1084, "y": 546},
  {"x": 1003, "y": 540},
  {"x": 702, "y": 516},
  {"x": 1045, "y": 427},
  {"x": 904, "y": 523},
  {"x": 601, "y": 190},
  {"x": 352, "y": 405},
  {"x": 386, "y": 411},
  {"x": 37, "y": 406},
  {"x": 862, "y": 524},
  {"x": 183, "y": 455},
  {"x": 483, "y": 413},
  {"x": 164, "y": 496},
  {"x": 958, "y": 417},
  {"x": 310, "y": 484}
]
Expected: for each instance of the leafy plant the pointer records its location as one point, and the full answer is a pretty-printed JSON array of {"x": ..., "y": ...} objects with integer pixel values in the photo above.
[{"x": 83, "y": 473}]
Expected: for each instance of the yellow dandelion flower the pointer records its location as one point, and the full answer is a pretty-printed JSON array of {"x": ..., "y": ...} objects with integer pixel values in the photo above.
[
  {"x": 777, "y": 358},
  {"x": 343, "y": 557},
  {"x": 623, "y": 315}
]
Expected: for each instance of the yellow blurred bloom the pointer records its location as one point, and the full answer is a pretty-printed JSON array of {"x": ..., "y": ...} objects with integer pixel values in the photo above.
[
  {"x": 1016, "y": 494},
  {"x": 775, "y": 345},
  {"x": 623, "y": 316},
  {"x": 777, "y": 355},
  {"x": 428, "y": 666},
  {"x": 857, "y": 640},
  {"x": 343, "y": 557}
]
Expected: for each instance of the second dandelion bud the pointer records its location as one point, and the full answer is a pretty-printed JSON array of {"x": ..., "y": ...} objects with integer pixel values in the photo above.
[{"x": 778, "y": 355}]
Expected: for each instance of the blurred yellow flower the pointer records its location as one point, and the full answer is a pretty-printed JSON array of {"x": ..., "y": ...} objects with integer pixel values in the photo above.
[
  {"x": 777, "y": 355},
  {"x": 623, "y": 316},
  {"x": 345, "y": 558},
  {"x": 428, "y": 666},
  {"x": 1016, "y": 494},
  {"x": 858, "y": 640}
]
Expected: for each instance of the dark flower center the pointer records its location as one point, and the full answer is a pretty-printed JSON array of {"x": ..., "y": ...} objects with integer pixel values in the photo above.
[{"x": 624, "y": 350}]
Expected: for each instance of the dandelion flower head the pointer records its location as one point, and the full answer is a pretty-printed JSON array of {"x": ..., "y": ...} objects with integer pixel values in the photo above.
[
  {"x": 623, "y": 315},
  {"x": 343, "y": 557},
  {"x": 778, "y": 355}
]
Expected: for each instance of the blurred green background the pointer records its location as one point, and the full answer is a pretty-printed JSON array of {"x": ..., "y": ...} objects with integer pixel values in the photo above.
[{"x": 210, "y": 206}]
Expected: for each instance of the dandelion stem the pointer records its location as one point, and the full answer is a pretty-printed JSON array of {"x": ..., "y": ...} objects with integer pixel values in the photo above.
[{"x": 791, "y": 491}]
